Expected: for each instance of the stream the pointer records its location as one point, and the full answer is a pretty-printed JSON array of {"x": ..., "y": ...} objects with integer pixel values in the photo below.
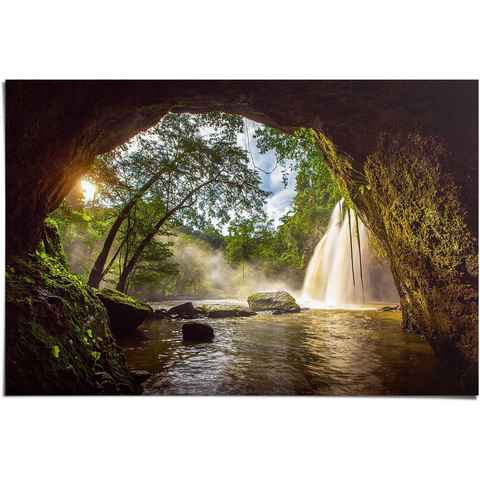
[{"x": 314, "y": 352}]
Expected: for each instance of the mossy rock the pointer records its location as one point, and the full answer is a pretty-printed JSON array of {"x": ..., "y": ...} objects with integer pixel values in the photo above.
[
  {"x": 52, "y": 242},
  {"x": 184, "y": 310},
  {"x": 419, "y": 220},
  {"x": 278, "y": 301},
  {"x": 58, "y": 340},
  {"x": 125, "y": 312},
  {"x": 225, "y": 311}
]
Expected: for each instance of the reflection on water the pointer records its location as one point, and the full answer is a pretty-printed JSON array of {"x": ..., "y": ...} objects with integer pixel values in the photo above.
[{"x": 314, "y": 352}]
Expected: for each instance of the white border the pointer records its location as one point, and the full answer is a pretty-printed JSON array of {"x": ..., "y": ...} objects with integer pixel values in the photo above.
[{"x": 232, "y": 438}]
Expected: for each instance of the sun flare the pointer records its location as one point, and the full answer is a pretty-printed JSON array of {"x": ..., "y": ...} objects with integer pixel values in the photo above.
[{"x": 88, "y": 189}]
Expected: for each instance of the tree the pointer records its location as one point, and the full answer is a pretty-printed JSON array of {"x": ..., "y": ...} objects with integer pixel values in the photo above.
[
  {"x": 241, "y": 243},
  {"x": 147, "y": 192},
  {"x": 218, "y": 183},
  {"x": 192, "y": 168},
  {"x": 98, "y": 271}
]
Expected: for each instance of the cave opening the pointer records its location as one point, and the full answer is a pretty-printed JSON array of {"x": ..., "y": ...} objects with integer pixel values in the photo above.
[{"x": 406, "y": 153}]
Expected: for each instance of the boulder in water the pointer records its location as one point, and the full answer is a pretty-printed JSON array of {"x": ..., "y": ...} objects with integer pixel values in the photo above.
[
  {"x": 280, "y": 302},
  {"x": 197, "y": 332},
  {"x": 125, "y": 312},
  {"x": 184, "y": 310},
  {"x": 226, "y": 310},
  {"x": 160, "y": 313}
]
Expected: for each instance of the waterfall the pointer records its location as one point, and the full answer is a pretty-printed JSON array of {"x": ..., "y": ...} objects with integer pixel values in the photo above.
[{"x": 329, "y": 280}]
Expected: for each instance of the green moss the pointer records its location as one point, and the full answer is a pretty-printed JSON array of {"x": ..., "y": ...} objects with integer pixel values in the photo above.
[
  {"x": 52, "y": 244},
  {"x": 433, "y": 248},
  {"x": 58, "y": 340},
  {"x": 119, "y": 297},
  {"x": 125, "y": 312}
]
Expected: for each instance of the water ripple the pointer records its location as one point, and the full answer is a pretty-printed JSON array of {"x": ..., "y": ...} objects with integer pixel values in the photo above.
[{"x": 313, "y": 352}]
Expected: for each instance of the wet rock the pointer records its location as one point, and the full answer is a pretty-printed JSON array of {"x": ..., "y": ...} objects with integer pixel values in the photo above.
[
  {"x": 106, "y": 383},
  {"x": 282, "y": 312},
  {"x": 392, "y": 308},
  {"x": 184, "y": 310},
  {"x": 139, "y": 376},
  {"x": 197, "y": 332},
  {"x": 125, "y": 312},
  {"x": 279, "y": 302},
  {"x": 225, "y": 311},
  {"x": 159, "y": 314}
]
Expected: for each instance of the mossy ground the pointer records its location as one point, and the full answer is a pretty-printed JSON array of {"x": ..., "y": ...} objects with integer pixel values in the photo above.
[{"x": 58, "y": 340}]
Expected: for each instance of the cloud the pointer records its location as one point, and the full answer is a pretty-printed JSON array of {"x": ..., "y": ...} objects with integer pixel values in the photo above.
[
  {"x": 280, "y": 203},
  {"x": 282, "y": 196}
]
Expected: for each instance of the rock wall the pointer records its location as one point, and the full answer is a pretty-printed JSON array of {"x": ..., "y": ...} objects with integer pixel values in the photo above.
[
  {"x": 58, "y": 338},
  {"x": 414, "y": 209},
  {"x": 383, "y": 139}
]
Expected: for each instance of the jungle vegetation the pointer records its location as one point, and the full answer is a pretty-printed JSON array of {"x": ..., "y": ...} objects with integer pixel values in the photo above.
[{"x": 185, "y": 190}]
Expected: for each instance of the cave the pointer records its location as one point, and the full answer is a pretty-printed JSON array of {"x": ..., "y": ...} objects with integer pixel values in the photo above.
[{"x": 406, "y": 151}]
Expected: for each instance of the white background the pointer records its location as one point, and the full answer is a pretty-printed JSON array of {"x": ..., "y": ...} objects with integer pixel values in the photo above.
[{"x": 244, "y": 438}]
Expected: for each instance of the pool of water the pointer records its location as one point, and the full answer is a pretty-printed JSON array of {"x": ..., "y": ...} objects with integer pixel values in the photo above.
[{"x": 314, "y": 352}]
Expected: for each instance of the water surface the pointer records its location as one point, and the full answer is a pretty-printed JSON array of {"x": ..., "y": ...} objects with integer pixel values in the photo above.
[{"x": 314, "y": 352}]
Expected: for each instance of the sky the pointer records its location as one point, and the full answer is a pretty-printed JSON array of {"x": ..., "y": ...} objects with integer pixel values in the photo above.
[{"x": 281, "y": 199}]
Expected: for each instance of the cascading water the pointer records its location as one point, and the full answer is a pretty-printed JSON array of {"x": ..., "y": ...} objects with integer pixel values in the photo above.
[{"x": 330, "y": 281}]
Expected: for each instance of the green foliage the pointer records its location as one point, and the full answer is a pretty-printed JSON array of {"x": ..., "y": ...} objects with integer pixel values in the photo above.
[
  {"x": 56, "y": 351},
  {"x": 287, "y": 249},
  {"x": 188, "y": 170},
  {"x": 82, "y": 229},
  {"x": 96, "y": 356},
  {"x": 241, "y": 244},
  {"x": 179, "y": 153},
  {"x": 187, "y": 150}
]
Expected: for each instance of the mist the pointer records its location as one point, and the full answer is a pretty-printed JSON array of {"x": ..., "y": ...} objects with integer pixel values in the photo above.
[{"x": 205, "y": 272}]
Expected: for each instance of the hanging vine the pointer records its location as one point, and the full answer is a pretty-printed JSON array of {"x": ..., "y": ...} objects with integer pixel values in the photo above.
[
  {"x": 351, "y": 246},
  {"x": 360, "y": 257}
]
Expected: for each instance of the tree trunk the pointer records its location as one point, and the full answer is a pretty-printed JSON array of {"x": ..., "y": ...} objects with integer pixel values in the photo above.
[
  {"x": 128, "y": 268},
  {"x": 122, "y": 281},
  {"x": 98, "y": 271}
]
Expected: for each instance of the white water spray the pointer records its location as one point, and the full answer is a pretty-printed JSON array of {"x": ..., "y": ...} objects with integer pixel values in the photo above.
[{"x": 329, "y": 280}]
